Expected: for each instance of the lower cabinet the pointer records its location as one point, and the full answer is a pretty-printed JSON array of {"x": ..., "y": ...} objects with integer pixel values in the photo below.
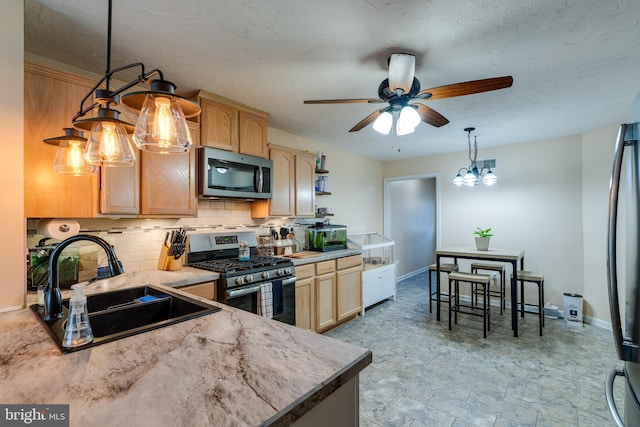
[
  {"x": 328, "y": 293},
  {"x": 205, "y": 290}
]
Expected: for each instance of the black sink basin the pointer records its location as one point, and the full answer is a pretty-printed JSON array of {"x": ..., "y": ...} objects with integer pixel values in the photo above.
[{"x": 118, "y": 314}]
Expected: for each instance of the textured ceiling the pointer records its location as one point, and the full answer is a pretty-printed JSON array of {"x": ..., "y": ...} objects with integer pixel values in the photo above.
[{"x": 575, "y": 63}]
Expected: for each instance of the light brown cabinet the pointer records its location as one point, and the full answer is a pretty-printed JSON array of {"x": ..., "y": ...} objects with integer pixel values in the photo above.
[
  {"x": 232, "y": 126},
  {"x": 206, "y": 290},
  {"x": 51, "y": 99},
  {"x": 292, "y": 186},
  {"x": 157, "y": 185},
  {"x": 328, "y": 293}
]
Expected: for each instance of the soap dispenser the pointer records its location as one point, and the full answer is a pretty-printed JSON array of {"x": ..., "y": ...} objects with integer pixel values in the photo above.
[{"x": 78, "y": 330}]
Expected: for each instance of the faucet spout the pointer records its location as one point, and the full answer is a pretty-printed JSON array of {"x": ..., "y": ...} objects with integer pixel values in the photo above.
[{"x": 52, "y": 295}]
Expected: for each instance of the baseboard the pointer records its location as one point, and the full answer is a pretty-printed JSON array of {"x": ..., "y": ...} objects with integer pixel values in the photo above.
[{"x": 413, "y": 273}]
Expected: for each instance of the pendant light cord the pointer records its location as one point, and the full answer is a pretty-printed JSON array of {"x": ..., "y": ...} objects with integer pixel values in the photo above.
[{"x": 108, "y": 72}]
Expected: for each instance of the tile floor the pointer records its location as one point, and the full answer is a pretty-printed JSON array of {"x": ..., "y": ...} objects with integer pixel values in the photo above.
[{"x": 425, "y": 375}]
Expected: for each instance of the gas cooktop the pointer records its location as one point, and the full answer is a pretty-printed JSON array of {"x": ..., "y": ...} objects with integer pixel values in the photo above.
[{"x": 233, "y": 265}]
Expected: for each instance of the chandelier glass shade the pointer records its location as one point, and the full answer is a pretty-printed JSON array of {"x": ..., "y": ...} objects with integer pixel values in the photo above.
[{"x": 70, "y": 155}]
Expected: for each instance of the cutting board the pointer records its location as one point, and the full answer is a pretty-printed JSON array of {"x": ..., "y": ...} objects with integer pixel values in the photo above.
[{"x": 304, "y": 254}]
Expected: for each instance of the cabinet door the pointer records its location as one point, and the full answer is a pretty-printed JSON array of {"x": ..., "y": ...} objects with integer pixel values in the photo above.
[
  {"x": 252, "y": 134},
  {"x": 304, "y": 184},
  {"x": 325, "y": 301},
  {"x": 51, "y": 99},
  {"x": 282, "y": 187},
  {"x": 305, "y": 307},
  {"x": 168, "y": 181},
  {"x": 120, "y": 189},
  {"x": 218, "y": 125},
  {"x": 349, "y": 292}
]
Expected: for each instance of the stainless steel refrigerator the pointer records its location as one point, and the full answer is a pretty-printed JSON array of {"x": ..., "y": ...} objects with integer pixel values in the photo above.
[{"x": 623, "y": 265}]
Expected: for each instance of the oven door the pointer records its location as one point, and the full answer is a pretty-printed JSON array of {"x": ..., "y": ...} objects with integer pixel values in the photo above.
[{"x": 247, "y": 298}]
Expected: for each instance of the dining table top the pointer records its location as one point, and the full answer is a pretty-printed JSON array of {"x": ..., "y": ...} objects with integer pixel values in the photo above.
[{"x": 468, "y": 251}]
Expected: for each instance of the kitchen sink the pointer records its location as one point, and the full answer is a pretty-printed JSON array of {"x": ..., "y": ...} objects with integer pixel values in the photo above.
[{"x": 118, "y": 314}]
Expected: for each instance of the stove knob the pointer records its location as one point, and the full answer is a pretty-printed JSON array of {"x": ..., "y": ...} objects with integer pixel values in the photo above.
[
  {"x": 249, "y": 278},
  {"x": 265, "y": 275},
  {"x": 287, "y": 270},
  {"x": 280, "y": 272},
  {"x": 239, "y": 281}
]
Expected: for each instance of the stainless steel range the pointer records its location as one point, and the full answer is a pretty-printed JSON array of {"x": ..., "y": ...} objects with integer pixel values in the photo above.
[{"x": 263, "y": 285}]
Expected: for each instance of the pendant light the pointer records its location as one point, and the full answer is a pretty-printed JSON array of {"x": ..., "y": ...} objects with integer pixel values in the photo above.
[
  {"x": 476, "y": 167},
  {"x": 70, "y": 156},
  {"x": 161, "y": 126}
]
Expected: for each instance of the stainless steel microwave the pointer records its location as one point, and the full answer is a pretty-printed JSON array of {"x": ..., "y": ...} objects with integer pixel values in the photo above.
[{"x": 226, "y": 174}]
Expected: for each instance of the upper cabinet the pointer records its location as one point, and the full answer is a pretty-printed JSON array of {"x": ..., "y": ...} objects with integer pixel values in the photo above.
[
  {"x": 230, "y": 125},
  {"x": 293, "y": 185},
  {"x": 51, "y": 98}
]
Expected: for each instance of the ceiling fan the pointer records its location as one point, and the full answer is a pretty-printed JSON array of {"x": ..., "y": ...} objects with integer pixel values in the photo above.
[{"x": 402, "y": 87}]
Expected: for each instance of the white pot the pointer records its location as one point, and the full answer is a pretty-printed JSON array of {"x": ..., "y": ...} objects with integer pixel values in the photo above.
[{"x": 482, "y": 243}]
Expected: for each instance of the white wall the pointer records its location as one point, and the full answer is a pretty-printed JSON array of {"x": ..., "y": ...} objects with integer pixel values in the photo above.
[
  {"x": 12, "y": 252},
  {"x": 537, "y": 206},
  {"x": 355, "y": 183}
]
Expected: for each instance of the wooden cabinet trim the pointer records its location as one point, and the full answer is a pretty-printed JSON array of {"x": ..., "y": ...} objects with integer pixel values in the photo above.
[
  {"x": 349, "y": 261},
  {"x": 305, "y": 271},
  {"x": 325, "y": 267}
]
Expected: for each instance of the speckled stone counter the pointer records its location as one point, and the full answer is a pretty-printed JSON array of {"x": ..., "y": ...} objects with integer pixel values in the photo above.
[{"x": 228, "y": 368}]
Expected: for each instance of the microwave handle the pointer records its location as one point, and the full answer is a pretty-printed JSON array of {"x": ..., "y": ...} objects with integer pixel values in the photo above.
[{"x": 258, "y": 179}]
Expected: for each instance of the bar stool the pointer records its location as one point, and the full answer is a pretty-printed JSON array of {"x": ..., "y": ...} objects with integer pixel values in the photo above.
[
  {"x": 444, "y": 268},
  {"x": 476, "y": 281},
  {"x": 500, "y": 293},
  {"x": 529, "y": 276}
]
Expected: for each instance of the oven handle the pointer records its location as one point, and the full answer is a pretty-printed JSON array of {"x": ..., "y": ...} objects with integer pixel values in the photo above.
[{"x": 256, "y": 288}]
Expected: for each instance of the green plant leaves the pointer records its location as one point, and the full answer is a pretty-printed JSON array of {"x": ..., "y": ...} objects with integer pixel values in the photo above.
[{"x": 483, "y": 233}]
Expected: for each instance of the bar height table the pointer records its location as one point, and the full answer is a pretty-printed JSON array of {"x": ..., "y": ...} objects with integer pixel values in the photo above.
[{"x": 511, "y": 256}]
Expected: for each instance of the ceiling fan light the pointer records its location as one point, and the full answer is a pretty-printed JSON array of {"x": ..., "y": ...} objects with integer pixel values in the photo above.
[
  {"x": 409, "y": 117},
  {"x": 402, "y": 67},
  {"x": 383, "y": 123}
]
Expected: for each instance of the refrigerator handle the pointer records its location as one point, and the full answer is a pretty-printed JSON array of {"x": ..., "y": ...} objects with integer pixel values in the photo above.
[
  {"x": 608, "y": 391},
  {"x": 614, "y": 303}
]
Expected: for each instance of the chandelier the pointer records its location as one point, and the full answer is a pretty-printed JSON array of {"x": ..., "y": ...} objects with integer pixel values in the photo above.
[
  {"x": 477, "y": 168},
  {"x": 161, "y": 126}
]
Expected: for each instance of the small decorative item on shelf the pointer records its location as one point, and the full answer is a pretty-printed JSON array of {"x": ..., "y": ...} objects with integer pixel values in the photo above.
[{"x": 482, "y": 238}]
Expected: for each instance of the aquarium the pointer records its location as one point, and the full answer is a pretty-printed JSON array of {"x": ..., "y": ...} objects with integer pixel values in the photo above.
[{"x": 325, "y": 238}]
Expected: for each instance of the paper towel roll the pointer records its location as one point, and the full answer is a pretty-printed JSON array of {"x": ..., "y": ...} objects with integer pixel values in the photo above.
[{"x": 58, "y": 228}]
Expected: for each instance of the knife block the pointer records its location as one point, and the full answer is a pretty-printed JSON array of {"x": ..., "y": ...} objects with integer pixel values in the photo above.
[{"x": 167, "y": 262}]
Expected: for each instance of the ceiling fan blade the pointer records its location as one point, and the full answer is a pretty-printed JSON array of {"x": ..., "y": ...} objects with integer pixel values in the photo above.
[
  {"x": 466, "y": 88},
  {"x": 345, "y": 101},
  {"x": 402, "y": 68},
  {"x": 367, "y": 120},
  {"x": 431, "y": 116}
]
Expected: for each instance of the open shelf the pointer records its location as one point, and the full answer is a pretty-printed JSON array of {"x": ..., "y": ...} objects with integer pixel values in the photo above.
[
  {"x": 322, "y": 171},
  {"x": 322, "y": 193}
]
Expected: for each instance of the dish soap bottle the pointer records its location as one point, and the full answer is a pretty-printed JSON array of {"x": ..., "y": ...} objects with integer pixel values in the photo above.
[
  {"x": 243, "y": 251},
  {"x": 78, "y": 330}
]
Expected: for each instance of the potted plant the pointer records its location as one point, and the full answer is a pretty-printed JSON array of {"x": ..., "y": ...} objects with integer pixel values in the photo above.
[{"x": 482, "y": 238}]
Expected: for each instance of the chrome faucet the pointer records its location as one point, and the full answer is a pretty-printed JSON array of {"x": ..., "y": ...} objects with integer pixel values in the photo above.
[{"x": 52, "y": 295}]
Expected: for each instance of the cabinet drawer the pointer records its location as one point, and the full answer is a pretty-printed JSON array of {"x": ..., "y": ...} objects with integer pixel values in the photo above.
[
  {"x": 325, "y": 267},
  {"x": 305, "y": 271},
  {"x": 204, "y": 290},
  {"x": 349, "y": 261}
]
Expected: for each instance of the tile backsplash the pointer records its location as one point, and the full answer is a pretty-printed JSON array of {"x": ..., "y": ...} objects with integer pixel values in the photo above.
[{"x": 137, "y": 242}]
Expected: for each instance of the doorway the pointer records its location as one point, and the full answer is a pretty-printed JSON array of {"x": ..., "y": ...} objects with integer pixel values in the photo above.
[{"x": 411, "y": 219}]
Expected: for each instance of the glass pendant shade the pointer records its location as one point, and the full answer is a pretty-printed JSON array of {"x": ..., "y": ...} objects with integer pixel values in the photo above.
[
  {"x": 470, "y": 179},
  {"x": 383, "y": 123},
  {"x": 162, "y": 126},
  {"x": 70, "y": 155},
  {"x": 108, "y": 145},
  {"x": 457, "y": 180},
  {"x": 490, "y": 178}
]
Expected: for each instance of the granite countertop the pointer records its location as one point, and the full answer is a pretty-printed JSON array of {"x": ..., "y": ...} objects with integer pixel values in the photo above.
[
  {"x": 227, "y": 368},
  {"x": 324, "y": 256}
]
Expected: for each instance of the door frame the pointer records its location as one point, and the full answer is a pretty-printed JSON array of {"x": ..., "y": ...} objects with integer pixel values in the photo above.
[{"x": 387, "y": 207}]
